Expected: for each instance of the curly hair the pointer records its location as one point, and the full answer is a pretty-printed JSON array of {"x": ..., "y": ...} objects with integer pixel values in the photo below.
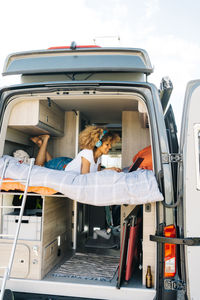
[{"x": 91, "y": 135}]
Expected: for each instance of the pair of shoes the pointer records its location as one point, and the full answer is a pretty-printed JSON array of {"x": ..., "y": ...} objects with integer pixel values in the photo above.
[{"x": 102, "y": 233}]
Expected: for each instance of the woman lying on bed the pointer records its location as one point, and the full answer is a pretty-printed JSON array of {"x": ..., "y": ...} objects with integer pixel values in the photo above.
[{"x": 94, "y": 142}]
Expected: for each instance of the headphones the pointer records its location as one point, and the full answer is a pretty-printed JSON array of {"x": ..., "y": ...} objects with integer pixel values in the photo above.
[{"x": 99, "y": 143}]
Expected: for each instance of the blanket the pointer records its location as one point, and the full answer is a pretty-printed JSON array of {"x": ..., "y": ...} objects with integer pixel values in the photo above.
[{"x": 102, "y": 188}]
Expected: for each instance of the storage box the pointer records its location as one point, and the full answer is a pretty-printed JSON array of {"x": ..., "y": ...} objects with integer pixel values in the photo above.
[{"x": 30, "y": 227}]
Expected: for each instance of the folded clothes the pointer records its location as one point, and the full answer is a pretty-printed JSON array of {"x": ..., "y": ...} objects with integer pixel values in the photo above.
[{"x": 102, "y": 188}]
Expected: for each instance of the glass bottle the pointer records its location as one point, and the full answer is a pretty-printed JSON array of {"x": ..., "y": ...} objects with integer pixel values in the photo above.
[{"x": 149, "y": 277}]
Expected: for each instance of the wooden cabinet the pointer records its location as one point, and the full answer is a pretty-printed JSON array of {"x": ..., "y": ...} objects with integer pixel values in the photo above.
[
  {"x": 35, "y": 258},
  {"x": 27, "y": 260},
  {"x": 37, "y": 117},
  {"x": 57, "y": 231},
  {"x": 51, "y": 115}
]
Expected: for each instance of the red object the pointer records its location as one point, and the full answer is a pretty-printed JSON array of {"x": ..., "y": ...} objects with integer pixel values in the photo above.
[
  {"x": 132, "y": 254},
  {"x": 69, "y": 47},
  {"x": 170, "y": 253},
  {"x": 147, "y": 155}
]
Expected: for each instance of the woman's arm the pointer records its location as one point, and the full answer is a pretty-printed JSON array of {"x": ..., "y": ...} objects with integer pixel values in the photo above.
[
  {"x": 113, "y": 168},
  {"x": 85, "y": 166}
]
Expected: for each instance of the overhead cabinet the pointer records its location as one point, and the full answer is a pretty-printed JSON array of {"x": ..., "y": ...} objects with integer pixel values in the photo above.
[{"x": 37, "y": 117}]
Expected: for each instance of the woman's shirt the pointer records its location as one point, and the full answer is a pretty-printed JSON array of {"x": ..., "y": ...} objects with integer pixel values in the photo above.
[{"x": 75, "y": 164}]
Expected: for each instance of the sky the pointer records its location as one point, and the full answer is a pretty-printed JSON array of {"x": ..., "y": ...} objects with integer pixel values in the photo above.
[{"x": 167, "y": 30}]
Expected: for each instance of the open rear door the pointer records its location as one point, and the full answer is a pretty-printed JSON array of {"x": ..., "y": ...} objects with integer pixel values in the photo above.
[{"x": 189, "y": 186}]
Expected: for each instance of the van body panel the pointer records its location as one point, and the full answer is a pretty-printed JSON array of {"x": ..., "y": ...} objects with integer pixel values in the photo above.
[
  {"x": 79, "y": 60},
  {"x": 98, "y": 63},
  {"x": 103, "y": 76},
  {"x": 189, "y": 187}
]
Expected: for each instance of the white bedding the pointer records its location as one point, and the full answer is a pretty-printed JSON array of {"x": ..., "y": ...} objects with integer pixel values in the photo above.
[{"x": 101, "y": 188}]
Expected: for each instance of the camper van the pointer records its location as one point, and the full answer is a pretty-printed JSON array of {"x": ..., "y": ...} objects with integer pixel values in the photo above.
[{"x": 49, "y": 242}]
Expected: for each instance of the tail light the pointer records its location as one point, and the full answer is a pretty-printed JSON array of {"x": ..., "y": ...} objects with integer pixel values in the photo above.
[
  {"x": 170, "y": 253},
  {"x": 69, "y": 47}
]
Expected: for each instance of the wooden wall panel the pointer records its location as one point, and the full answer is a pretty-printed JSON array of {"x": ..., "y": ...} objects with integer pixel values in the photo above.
[
  {"x": 65, "y": 146},
  {"x": 134, "y": 137},
  {"x": 57, "y": 218},
  {"x": 149, "y": 248}
]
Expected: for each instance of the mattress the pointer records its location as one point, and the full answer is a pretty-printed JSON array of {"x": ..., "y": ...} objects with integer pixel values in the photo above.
[{"x": 102, "y": 188}]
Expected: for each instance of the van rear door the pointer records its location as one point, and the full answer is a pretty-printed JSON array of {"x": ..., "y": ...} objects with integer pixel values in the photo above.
[{"x": 189, "y": 186}]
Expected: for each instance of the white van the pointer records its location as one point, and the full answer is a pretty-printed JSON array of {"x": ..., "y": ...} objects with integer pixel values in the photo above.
[{"x": 61, "y": 91}]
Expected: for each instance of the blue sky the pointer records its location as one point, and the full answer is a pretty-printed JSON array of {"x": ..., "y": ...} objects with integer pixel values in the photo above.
[{"x": 168, "y": 30}]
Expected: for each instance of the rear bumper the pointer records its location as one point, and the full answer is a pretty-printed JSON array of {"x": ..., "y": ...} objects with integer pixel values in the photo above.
[{"x": 92, "y": 291}]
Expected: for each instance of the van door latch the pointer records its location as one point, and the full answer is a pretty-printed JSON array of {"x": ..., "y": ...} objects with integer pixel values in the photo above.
[
  {"x": 174, "y": 285},
  {"x": 171, "y": 158}
]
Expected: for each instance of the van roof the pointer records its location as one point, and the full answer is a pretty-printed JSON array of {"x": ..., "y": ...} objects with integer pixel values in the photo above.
[{"x": 83, "y": 59}]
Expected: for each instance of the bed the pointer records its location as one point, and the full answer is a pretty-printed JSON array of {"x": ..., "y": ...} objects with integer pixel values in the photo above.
[{"x": 101, "y": 188}]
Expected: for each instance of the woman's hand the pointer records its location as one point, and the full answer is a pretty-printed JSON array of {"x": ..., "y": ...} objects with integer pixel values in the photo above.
[{"x": 115, "y": 169}]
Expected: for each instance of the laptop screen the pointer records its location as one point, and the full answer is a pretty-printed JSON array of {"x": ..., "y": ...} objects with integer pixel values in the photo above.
[{"x": 136, "y": 164}]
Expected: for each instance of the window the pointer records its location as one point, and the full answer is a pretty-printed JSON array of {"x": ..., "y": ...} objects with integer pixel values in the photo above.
[{"x": 111, "y": 160}]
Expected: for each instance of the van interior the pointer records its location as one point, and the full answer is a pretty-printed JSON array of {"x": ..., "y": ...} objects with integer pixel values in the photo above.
[{"x": 55, "y": 229}]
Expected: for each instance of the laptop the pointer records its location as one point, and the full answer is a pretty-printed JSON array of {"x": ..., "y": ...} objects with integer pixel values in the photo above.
[{"x": 136, "y": 164}]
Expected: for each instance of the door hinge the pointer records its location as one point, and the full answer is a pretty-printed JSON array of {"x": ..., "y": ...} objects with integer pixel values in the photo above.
[
  {"x": 174, "y": 285},
  {"x": 171, "y": 158}
]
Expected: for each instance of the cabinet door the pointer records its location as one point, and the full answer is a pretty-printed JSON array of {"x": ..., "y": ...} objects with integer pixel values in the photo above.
[
  {"x": 37, "y": 117},
  {"x": 24, "y": 113},
  {"x": 21, "y": 262},
  {"x": 51, "y": 115}
]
